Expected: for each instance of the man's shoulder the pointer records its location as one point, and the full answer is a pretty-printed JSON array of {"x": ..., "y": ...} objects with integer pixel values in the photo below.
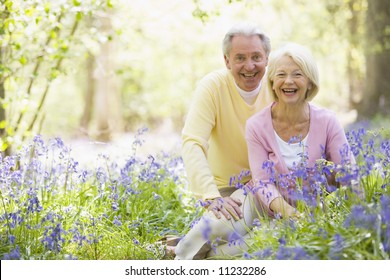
[{"x": 217, "y": 77}]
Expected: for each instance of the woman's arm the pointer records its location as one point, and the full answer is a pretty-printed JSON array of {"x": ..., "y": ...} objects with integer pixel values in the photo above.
[{"x": 258, "y": 153}]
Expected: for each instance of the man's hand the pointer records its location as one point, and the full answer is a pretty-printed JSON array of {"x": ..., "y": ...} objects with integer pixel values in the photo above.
[{"x": 227, "y": 206}]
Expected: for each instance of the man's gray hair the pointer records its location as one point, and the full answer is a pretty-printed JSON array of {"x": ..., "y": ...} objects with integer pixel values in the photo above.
[{"x": 246, "y": 29}]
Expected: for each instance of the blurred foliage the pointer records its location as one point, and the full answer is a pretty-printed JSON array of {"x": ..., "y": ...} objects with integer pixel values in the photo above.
[
  {"x": 159, "y": 51},
  {"x": 37, "y": 39}
]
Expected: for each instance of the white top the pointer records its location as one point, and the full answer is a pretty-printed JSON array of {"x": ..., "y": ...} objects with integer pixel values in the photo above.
[
  {"x": 291, "y": 152},
  {"x": 248, "y": 96}
]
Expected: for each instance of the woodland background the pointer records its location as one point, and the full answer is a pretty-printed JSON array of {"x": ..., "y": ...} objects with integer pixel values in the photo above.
[{"x": 97, "y": 69}]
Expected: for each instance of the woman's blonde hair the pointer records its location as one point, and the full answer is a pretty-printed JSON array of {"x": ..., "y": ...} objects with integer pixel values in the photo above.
[{"x": 303, "y": 58}]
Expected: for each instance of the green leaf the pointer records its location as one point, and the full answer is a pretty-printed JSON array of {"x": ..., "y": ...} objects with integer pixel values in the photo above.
[
  {"x": 3, "y": 124},
  {"x": 29, "y": 12},
  {"x": 23, "y": 60},
  {"x": 4, "y": 145},
  {"x": 47, "y": 8},
  {"x": 79, "y": 16},
  {"x": 76, "y": 3}
]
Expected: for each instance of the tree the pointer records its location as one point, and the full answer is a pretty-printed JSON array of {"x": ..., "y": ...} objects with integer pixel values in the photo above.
[
  {"x": 377, "y": 90},
  {"x": 101, "y": 93},
  {"x": 49, "y": 29}
]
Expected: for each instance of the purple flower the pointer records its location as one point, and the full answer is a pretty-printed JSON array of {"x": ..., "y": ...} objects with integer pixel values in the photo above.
[
  {"x": 116, "y": 221},
  {"x": 13, "y": 255},
  {"x": 269, "y": 167},
  {"x": 156, "y": 196},
  {"x": 77, "y": 237},
  {"x": 295, "y": 253},
  {"x": 256, "y": 223},
  {"x": 206, "y": 230},
  {"x": 337, "y": 246},
  {"x": 33, "y": 203},
  {"x": 385, "y": 218},
  {"x": 361, "y": 218},
  {"x": 264, "y": 254},
  {"x": 11, "y": 239},
  {"x": 235, "y": 239},
  {"x": 282, "y": 241},
  {"x": 53, "y": 239}
]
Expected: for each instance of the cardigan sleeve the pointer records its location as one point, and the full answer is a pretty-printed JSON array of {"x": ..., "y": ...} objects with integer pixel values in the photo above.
[
  {"x": 262, "y": 168},
  {"x": 338, "y": 150}
]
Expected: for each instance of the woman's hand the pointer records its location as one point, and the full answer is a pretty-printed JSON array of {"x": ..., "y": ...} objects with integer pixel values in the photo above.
[
  {"x": 227, "y": 206},
  {"x": 279, "y": 205}
]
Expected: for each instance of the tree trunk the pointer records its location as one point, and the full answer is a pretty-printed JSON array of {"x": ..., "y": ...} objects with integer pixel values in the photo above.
[
  {"x": 354, "y": 68},
  {"x": 2, "y": 110},
  {"x": 377, "y": 91},
  {"x": 89, "y": 95},
  {"x": 107, "y": 101}
]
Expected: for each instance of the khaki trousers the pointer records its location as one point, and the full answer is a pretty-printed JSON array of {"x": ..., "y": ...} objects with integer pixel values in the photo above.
[{"x": 211, "y": 236}]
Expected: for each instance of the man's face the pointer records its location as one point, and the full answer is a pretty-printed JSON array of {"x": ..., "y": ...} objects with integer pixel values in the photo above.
[{"x": 247, "y": 61}]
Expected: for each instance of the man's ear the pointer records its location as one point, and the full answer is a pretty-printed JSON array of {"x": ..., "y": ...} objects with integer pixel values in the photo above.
[{"x": 227, "y": 62}]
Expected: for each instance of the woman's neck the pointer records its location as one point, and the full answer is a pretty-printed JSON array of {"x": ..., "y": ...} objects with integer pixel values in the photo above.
[
  {"x": 291, "y": 123},
  {"x": 291, "y": 114}
]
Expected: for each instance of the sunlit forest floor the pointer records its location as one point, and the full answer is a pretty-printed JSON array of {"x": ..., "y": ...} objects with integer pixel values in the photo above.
[{"x": 86, "y": 151}]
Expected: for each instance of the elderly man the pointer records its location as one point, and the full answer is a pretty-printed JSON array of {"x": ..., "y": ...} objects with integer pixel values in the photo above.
[{"x": 214, "y": 147}]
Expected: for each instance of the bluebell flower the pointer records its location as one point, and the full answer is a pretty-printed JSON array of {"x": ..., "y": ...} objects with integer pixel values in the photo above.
[
  {"x": 282, "y": 241},
  {"x": 11, "y": 239},
  {"x": 206, "y": 230},
  {"x": 214, "y": 244},
  {"x": 93, "y": 238},
  {"x": 292, "y": 253},
  {"x": 33, "y": 203},
  {"x": 40, "y": 147},
  {"x": 269, "y": 166},
  {"x": 263, "y": 254},
  {"x": 156, "y": 196},
  {"x": 13, "y": 255},
  {"x": 336, "y": 248},
  {"x": 77, "y": 237},
  {"x": 70, "y": 257},
  {"x": 194, "y": 222},
  {"x": 256, "y": 223},
  {"x": 361, "y": 218},
  {"x": 385, "y": 218},
  {"x": 15, "y": 219},
  {"x": 235, "y": 239},
  {"x": 53, "y": 239},
  {"x": 117, "y": 221}
]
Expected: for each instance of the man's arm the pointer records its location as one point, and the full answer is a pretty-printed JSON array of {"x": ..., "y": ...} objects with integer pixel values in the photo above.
[{"x": 200, "y": 122}]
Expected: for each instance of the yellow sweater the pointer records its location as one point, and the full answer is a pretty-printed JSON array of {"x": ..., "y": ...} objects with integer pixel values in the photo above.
[{"x": 214, "y": 147}]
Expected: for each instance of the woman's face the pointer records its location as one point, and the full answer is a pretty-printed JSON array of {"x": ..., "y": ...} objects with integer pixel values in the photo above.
[
  {"x": 247, "y": 61},
  {"x": 290, "y": 83}
]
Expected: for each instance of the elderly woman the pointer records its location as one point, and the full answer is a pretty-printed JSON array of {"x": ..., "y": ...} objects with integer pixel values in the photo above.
[{"x": 291, "y": 131}]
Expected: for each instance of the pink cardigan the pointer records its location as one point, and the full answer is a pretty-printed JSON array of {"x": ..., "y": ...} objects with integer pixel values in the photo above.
[{"x": 326, "y": 137}]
